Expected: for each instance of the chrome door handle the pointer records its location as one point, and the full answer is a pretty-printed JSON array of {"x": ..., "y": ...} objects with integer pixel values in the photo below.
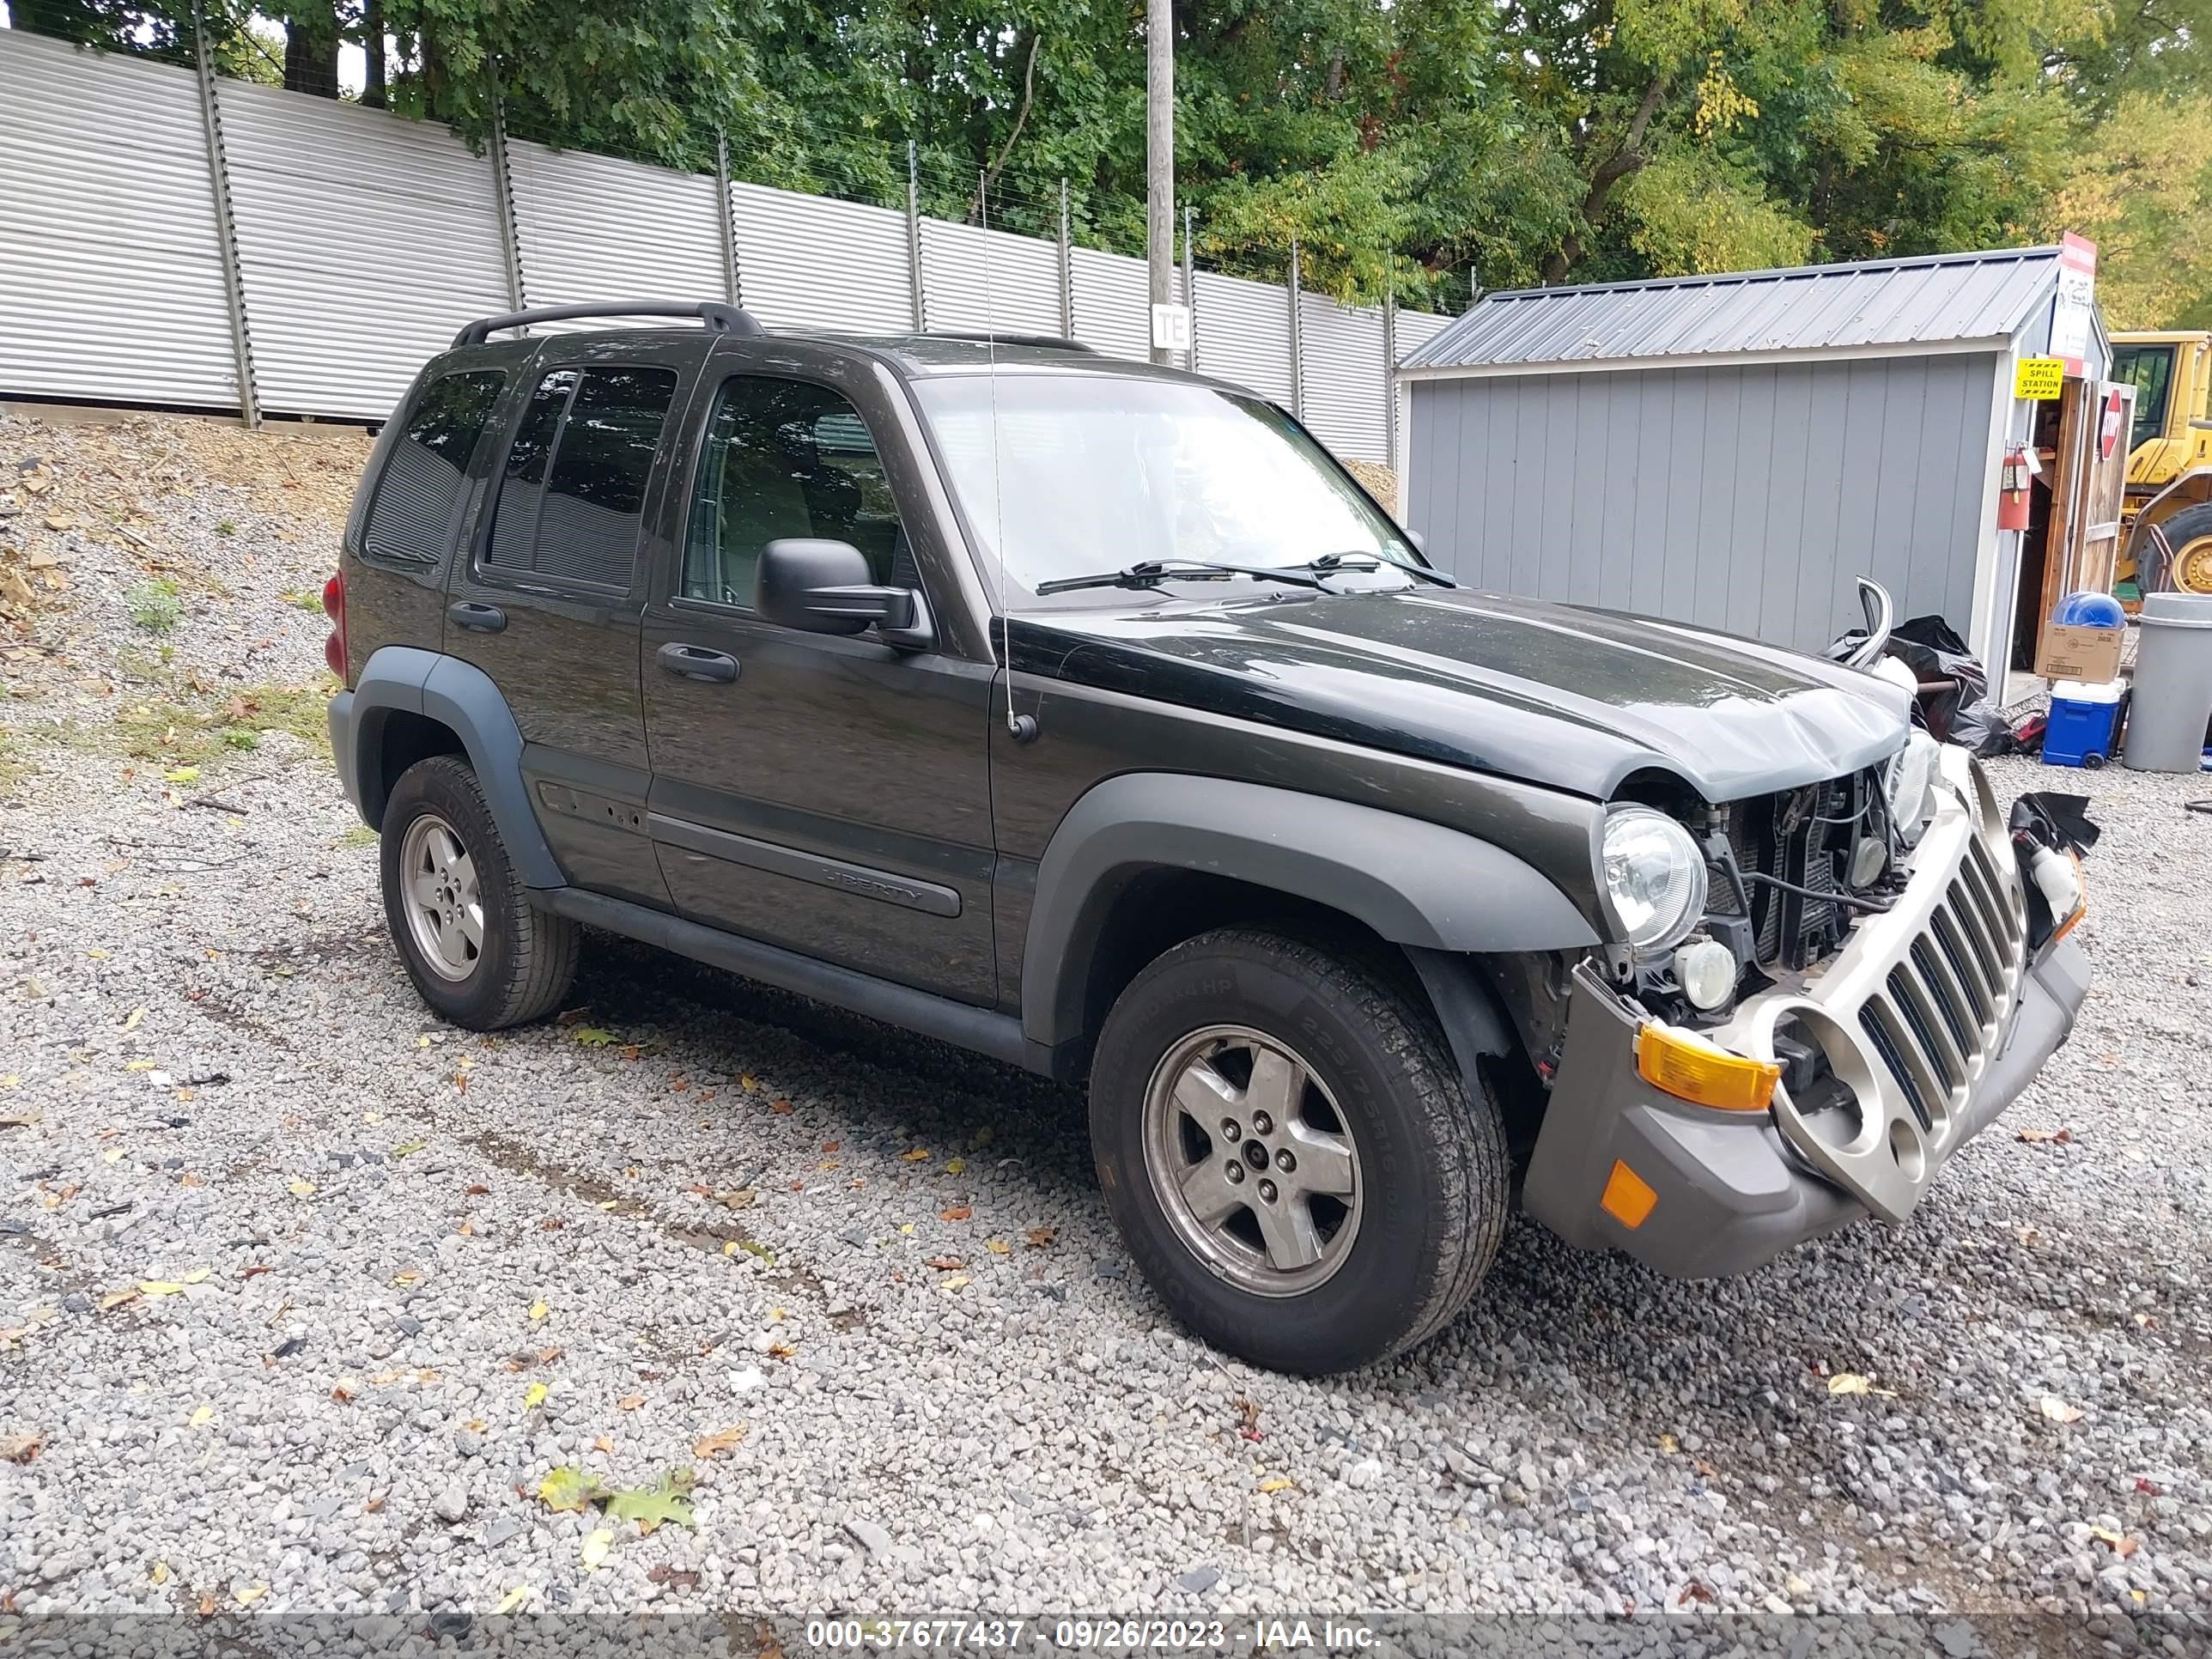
[{"x": 696, "y": 662}]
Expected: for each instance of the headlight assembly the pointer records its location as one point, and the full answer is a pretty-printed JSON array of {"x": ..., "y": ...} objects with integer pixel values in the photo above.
[{"x": 1654, "y": 877}]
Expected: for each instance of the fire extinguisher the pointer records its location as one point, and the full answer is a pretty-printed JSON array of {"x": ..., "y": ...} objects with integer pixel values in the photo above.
[{"x": 2011, "y": 488}]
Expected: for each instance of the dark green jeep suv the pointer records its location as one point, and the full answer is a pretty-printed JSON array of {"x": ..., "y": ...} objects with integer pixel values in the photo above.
[{"x": 1091, "y": 716}]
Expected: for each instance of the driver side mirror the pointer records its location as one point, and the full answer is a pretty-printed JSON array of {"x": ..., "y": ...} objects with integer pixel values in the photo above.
[{"x": 826, "y": 587}]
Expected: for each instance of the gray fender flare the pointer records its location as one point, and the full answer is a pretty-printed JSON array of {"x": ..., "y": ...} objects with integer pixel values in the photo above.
[
  {"x": 1419, "y": 885},
  {"x": 457, "y": 695}
]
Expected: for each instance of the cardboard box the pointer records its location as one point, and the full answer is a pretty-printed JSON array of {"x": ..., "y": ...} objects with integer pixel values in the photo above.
[{"x": 2080, "y": 653}]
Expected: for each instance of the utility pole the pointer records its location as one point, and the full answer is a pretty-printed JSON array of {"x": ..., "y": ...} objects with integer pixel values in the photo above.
[{"x": 1159, "y": 158}]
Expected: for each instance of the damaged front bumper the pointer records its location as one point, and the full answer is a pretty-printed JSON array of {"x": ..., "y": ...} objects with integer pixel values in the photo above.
[{"x": 1934, "y": 1016}]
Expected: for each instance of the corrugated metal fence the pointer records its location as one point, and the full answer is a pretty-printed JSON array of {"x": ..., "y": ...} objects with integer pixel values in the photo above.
[{"x": 174, "y": 238}]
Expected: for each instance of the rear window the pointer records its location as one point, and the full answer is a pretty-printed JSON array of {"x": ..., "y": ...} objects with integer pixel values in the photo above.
[
  {"x": 572, "y": 490},
  {"x": 411, "y": 514}
]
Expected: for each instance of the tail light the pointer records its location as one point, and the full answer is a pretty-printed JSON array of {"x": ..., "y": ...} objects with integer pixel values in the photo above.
[{"x": 334, "y": 648}]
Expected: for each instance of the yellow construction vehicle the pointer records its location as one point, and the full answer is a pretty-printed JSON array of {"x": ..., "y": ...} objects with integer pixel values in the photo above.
[{"x": 2168, "y": 508}]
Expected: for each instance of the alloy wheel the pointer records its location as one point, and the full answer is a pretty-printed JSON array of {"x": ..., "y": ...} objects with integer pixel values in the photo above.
[
  {"x": 443, "y": 899},
  {"x": 1253, "y": 1163}
]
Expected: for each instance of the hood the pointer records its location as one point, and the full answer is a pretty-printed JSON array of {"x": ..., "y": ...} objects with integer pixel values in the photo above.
[{"x": 1557, "y": 695}]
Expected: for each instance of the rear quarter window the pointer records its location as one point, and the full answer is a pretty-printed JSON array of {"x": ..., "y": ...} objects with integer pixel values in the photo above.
[{"x": 410, "y": 516}]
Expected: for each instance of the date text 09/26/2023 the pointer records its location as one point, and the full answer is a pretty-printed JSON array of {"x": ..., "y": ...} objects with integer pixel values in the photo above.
[{"x": 1092, "y": 1635}]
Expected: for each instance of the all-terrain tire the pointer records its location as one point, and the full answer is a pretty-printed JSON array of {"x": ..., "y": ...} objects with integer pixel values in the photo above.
[
  {"x": 526, "y": 959},
  {"x": 1432, "y": 1163}
]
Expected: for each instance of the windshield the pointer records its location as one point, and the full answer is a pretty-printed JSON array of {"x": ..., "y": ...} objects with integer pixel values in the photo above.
[
  {"x": 1095, "y": 473},
  {"x": 2149, "y": 369}
]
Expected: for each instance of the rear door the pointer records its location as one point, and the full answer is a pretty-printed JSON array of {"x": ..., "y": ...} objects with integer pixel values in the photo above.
[
  {"x": 828, "y": 793},
  {"x": 547, "y": 601}
]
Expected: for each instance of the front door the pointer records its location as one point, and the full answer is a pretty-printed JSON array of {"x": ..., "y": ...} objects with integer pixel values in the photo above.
[
  {"x": 826, "y": 794},
  {"x": 547, "y": 596}
]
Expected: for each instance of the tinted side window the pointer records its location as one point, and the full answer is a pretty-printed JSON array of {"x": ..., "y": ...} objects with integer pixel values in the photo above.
[
  {"x": 412, "y": 512},
  {"x": 784, "y": 458},
  {"x": 574, "y": 484}
]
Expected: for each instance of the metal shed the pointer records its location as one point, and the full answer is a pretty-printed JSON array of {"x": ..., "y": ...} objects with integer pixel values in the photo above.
[{"x": 1734, "y": 451}]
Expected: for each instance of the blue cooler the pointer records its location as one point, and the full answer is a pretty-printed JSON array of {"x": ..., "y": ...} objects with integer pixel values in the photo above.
[{"x": 2084, "y": 720}]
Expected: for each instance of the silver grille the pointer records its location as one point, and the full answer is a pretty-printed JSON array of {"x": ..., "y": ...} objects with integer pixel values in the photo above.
[{"x": 1911, "y": 1012}]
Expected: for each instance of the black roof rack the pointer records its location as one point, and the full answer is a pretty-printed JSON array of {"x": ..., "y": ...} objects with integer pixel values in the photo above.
[
  {"x": 720, "y": 318},
  {"x": 1050, "y": 342}
]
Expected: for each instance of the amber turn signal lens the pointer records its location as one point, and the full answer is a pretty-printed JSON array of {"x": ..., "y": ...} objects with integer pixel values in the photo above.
[{"x": 1685, "y": 1065}]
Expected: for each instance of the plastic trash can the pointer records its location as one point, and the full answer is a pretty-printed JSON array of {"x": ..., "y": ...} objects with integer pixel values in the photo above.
[
  {"x": 2173, "y": 700},
  {"x": 2083, "y": 720}
]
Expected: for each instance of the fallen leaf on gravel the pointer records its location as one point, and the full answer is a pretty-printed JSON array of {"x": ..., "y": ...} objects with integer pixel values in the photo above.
[
  {"x": 780, "y": 1107},
  {"x": 748, "y": 1082},
  {"x": 956, "y": 1166},
  {"x": 202, "y": 1416},
  {"x": 569, "y": 1489},
  {"x": 514, "y": 1599},
  {"x": 919, "y": 1155},
  {"x": 2057, "y": 1410},
  {"x": 252, "y": 1594},
  {"x": 2149, "y": 1488},
  {"x": 408, "y": 1148},
  {"x": 630, "y": 1402},
  {"x": 374, "y": 1506},
  {"x": 711, "y": 1446},
  {"x": 955, "y": 1283},
  {"x": 160, "y": 1574},
  {"x": 534, "y": 1394},
  {"x": 596, "y": 1547},
  {"x": 159, "y": 1287},
  {"x": 113, "y": 1155},
  {"x": 137, "y": 1015},
  {"x": 943, "y": 1264},
  {"x": 1669, "y": 1444},
  {"x": 343, "y": 1390},
  {"x": 754, "y": 1248},
  {"x": 604, "y": 1443},
  {"x": 999, "y": 1247},
  {"x": 593, "y": 1036},
  {"x": 20, "y": 1448},
  {"x": 182, "y": 775},
  {"x": 207, "y": 1604},
  {"x": 782, "y": 1351},
  {"x": 956, "y": 1212},
  {"x": 302, "y": 1189},
  {"x": 476, "y": 1190},
  {"x": 831, "y": 1146},
  {"x": 1277, "y": 1483},
  {"x": 1041, "y": 1238},
  {"x": 116, "y": 1299},
  {"x": 667, "y": 1501},
  {"x": 742, "y": 1199},
  {"x": 682, "y": 1578},
  {"x": 2061, "y": 1136},
  {"x": 2118, "y": 1543},
  {"x": 538, "y": 1311},
  {"x": 406, "y": 1277},
  {"x": 1852, "y": 1383}
]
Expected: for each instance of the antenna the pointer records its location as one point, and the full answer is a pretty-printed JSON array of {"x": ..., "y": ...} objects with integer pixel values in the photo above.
[{"x": 1020, "y": 728}]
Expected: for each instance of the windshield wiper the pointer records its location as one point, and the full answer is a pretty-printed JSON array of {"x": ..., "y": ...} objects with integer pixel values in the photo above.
[
  {"x": 1151, "y": 573},
  {"x": 1333, "y": 562}
]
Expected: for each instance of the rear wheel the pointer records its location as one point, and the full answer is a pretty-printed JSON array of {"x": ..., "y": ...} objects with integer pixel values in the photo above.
[
  {"x": 478, "y": 951},
  {"x": 1287, "y": 1145},
  {"x": 2189, "y": 533}
]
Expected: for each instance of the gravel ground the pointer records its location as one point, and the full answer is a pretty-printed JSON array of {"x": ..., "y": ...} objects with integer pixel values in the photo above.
[{"x": 302, "y": 1297}]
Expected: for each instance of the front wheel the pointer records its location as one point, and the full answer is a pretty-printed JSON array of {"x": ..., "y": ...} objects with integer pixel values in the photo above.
[
  {"x": 475, "y": 949},
  {"x": 1288, "y": 1148}
]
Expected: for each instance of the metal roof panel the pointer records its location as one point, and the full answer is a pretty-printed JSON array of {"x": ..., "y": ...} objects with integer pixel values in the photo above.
[{"x": 1927, "y": 301}]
